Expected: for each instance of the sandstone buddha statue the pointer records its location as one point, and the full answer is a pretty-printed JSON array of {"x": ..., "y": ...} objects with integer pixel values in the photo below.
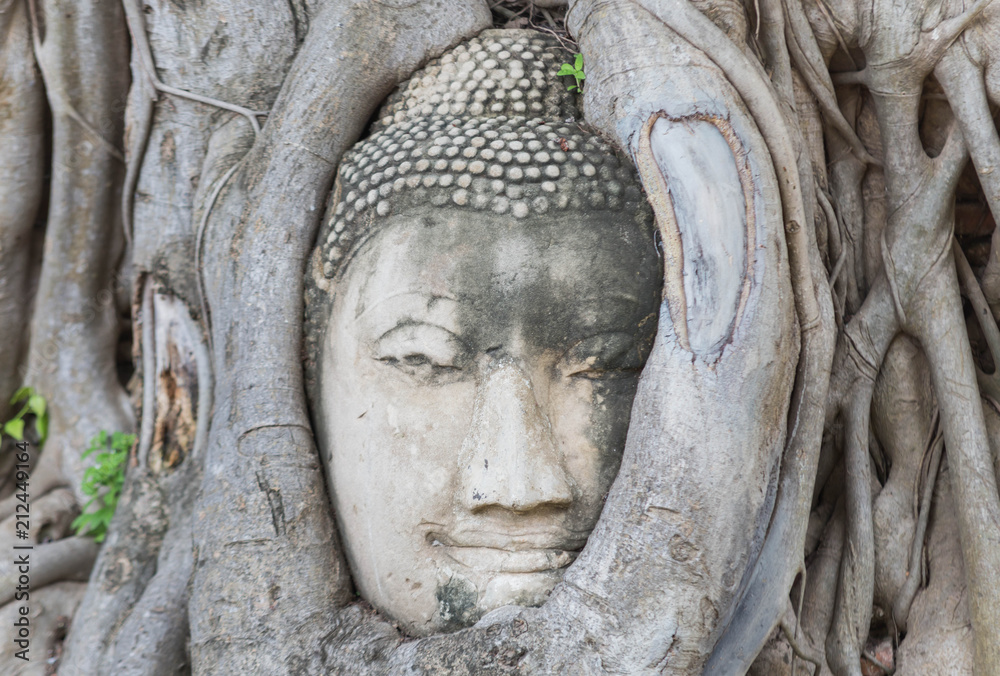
[{"x": 480, "y": 305}]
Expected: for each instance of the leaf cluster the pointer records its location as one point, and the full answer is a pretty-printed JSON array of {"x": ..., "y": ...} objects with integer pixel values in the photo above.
[
  {"x": 103, "y": 481},
  {"x": 34, "y": 405},
  {"x": 576, "y": 70}
]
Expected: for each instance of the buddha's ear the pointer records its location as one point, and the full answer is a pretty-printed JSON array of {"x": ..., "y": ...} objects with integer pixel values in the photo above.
[{"x": 698, "y": 183}]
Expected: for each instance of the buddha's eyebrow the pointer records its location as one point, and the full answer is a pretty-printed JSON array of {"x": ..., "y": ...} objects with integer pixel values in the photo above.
[
  {"x": 409, "y": 307},
  {"x": 431, "y": 300},
  {"x": 406, "y": 322}
]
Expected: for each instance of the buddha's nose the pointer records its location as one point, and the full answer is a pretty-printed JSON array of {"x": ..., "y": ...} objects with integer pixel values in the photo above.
[{"x": 509, "y": 459}]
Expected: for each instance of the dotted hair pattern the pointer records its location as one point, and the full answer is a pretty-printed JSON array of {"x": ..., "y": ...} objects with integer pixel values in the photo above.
[{"x": 486, "y": 127}]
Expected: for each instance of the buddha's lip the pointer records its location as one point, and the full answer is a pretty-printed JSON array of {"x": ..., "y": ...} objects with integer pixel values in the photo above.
[
  {"x": 526, "y": 552},
  {"x": 495, "y": 560},
  {"x": 509, "y": 541}
]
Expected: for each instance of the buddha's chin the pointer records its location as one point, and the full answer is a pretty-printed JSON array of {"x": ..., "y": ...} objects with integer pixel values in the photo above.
[
  {"x": 462, "y": 598},
  {"x": 521, "y": 589}
]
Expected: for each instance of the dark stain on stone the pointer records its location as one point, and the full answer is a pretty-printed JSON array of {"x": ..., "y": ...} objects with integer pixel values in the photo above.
[{"x": 457, "y": 604}]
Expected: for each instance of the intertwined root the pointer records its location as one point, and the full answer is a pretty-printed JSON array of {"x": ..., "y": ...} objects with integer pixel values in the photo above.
[{"x": 914, "y": 289}]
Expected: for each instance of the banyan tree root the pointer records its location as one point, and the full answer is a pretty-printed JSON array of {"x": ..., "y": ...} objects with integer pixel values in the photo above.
[
  {"x": 22, "y": 170},
  {"x": 939, "y": 639},
  {"x": 81, "y": 50},
  {"x": 81, "y": 54},
  {"x": 66, "y": 559},
  {"x": 51, "y": 610},
  {"x": 918, "y": 270},
  {"x": 904, "y": 600},
  {"x": 903, "y": 420}
]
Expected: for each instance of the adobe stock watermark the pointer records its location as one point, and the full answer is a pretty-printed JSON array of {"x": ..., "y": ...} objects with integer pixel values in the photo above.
[{"x": 22, "y": 553}]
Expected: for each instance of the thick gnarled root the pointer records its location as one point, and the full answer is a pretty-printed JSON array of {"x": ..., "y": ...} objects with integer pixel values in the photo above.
[
  {"x": 22, "y": 168},
  {"x": 50, "y": 614}
]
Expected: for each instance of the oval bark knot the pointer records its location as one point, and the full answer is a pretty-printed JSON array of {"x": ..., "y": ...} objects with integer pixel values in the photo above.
[{"x": 698, "y": 181}]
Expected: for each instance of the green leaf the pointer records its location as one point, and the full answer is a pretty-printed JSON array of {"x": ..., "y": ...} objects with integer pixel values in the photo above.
[
  {"x": 581, "y": 76},
  {"x": 36, "y": 404},
  {"x": 42, "y": 427},
  {"x": 22, "y": 394},
  {"x": 566, "y": 69},
  {"x": 103, "y": 480},
  {"x": 15, "y": 428},
  {"x": 97, "y": 443},
  {"x": 80, "y": 523},
  {"x": 578, "y": 63}
]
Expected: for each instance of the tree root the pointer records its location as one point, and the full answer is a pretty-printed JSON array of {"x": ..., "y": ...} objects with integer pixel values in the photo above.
[
  {"x": 133, "y": 620},
  {"x": 901, "y": 608},
  {"x": 83, "y": 58},
  {"x": 904, "y": 421},
  {"x": 22, "y": 135},
  {"x": 939, "y": 637},
  {"x": 144, "y": 117},
  {"x": 820, "y": 592},
  {"x": 758, "y": 95},
  {"x": 789, "y": 629},
  {"x": 51, "y": 610},
  {"x": 52, "y": 559},
  {"x": 941, "y": 329},
  {"x": 853, "y": 607},
  {"x": 46, "y": 476},
  {"x": 809, "y": 61},
  {"x": 761, "y": 605},
  {"x": 860, "y": 353},
  {"x": 989, "y": 384},
  {"x": 227, "y": 150},
  {"x": 137, "y": 29},
  {"x": 51, "y": 514},
  {"x": 152, "y": 641},
  {"x": 846, "y": 174},
  {"x": 67, "y": 559},
  {"x": 924, "y": 291}
]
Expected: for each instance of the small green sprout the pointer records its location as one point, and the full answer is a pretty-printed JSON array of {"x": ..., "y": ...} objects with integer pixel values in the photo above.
[
  {"x": 576, "y": 70},
  {"x": 34, "y": 404},
  {"x": 103, "y": 482}
]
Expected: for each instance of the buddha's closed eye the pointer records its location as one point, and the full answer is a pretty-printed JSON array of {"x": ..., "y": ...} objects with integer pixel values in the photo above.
[
  {"x": 605, "y": 356},
  {"x": 421, "y": 350}
]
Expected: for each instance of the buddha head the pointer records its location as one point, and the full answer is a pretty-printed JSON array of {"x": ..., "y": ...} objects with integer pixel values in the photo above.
[{"x": 480, "y": 305}]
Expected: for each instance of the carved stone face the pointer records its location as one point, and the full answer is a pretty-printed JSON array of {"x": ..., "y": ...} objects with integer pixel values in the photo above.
[{"x": 476, "y": 380}]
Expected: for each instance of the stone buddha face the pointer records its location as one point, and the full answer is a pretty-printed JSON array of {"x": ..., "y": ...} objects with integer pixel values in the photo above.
[{"x": 475, "y": 369}]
